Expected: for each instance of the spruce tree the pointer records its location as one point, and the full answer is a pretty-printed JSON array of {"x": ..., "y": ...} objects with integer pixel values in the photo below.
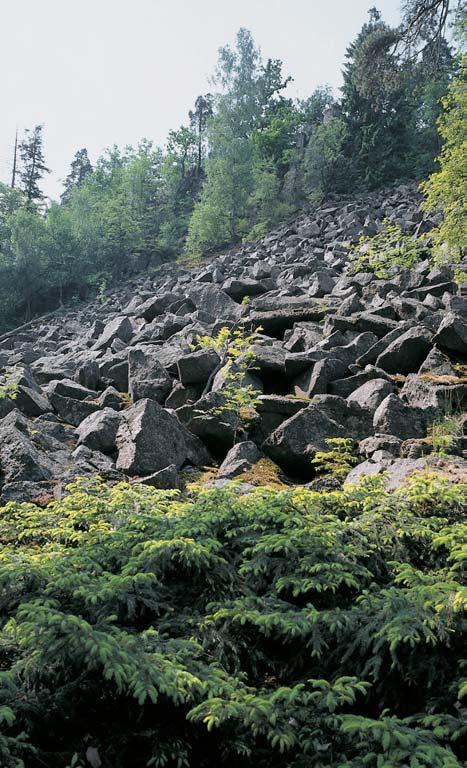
[
  {"x": 80, "y": 168},
  {"x": 33, "y": 166}
]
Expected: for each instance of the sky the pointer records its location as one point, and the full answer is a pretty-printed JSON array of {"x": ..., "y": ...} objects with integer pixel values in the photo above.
[{"x": 104, "y": 72}]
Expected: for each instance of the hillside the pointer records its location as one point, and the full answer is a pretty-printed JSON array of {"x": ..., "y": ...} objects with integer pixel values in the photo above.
[
  {"x": 310, "y": 613},
  {"x": 130, "y": 385}
]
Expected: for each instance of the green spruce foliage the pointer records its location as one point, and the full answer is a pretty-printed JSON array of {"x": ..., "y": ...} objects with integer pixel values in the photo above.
[{"x": 292, "y": 628}]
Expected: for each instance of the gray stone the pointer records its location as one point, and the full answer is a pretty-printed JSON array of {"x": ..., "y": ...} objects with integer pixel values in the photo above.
[
  {"x": 294, "y": 443},
  {"x": 163, "y": 479},
  {"x": 118, "y": 328},
  {"x": 406, "y": 353},
  {"x": 149, "y": 438},
  {"x": 239, "y": 459},
  {"x": 196, "y": 367},
  {"x": 452, "y": 334},
  {"x": 395, "y": 417},
  {"x": 371, "y": 394},
  {"x": 147, "y": 378},
  {"x": 99, "y": 430}
]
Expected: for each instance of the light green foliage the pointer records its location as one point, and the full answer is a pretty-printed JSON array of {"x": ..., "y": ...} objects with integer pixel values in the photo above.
[
  {"x": 338, "y": 460},
  {"x": 235, "y": 348},
  {"x": 387, "y": 253},
  {"x": 277, "y": 628},
  {"x": 443, "y": 434},
  {"x": 249, "y": 138},
  {"x": 9, "y": 385},
  {"x": 445, "y": 189}
]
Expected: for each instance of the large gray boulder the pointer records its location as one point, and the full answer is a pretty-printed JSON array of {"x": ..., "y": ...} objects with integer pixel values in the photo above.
[
  {"x": 371, "y": 394},
  {"x": 118, "y": 328},
  {"x": 212, "y": 421},
  {"x": 147, "y": 378},
  {"x": 99, "y": 430},
  {"x": 196, "y": 367},
  {"x": 437, "y": 364},
  {"x": 149, "y": 438},
  {"x": 295, "y": 442},
  {"x": 406, "y": 353},
  {"x": 240, "y": 459},
  {"x": 452, "y": 334},
  {"x": 20, "y": 458},
  {"x": 215, "y": 302},
  {"x": 395, "y": 417}
]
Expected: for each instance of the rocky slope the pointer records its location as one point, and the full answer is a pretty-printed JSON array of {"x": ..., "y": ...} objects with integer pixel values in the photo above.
[{"x": 119, "y": 388}]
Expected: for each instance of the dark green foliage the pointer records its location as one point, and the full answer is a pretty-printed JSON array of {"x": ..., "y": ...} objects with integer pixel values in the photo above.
[
  {"x": 33, "y": 165},
  {"x": 275, "y": 629},
  {"x": 80, "y": 168}
]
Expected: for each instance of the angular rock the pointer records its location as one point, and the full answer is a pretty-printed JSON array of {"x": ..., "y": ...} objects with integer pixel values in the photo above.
[
  {"x": 395, "y": 417},
  {"x": 406, "y": 353},
  {"x": 452, "y": 334},
  {"x": 99, "y": 430},
  {"x": 118, "y": 328},
  {"x": 371, "y": 394},
  {"x": 163, "y": 479},
  {"x": 147, "y": 378},
  {"x": 149, "y": 438},
  {"x": 196, "y": 367},
  {"x": 437, "y": 364},
  {"x": 294, "y": 443},
  {"x": 239, "y": 459}
]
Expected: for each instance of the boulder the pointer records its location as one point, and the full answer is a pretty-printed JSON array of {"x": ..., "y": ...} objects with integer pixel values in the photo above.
[
  {"x": 196, "y": 367},
  {"x": 148, "y": 439},
  {"x": 452, "y": 334},
  {"x": 239, "y": 459},
  {"x": 316, "y": 380},
  {"x": 69, "y": 388},
  {"x": 395, "y": 417},
  {"x": 164, "y": 479},
  {"x": 118, "y": 328},
  {"x": 406, "y": 353},
  {"x": 371, "y": 394},
  {"x": 73, "y": 411},
  {"x": 20, "y": 459},
  {"x": 215, "y": 302},
  {"x": 213, "y": 422},
  {"x": 155, "y": 306},
  {"x": 238, "y": 288},
  {"x": 99, "y": 430},
  {"x": 295, "y": 442},
  {"x": 437, "y": 364},
  {"x": 147, "y": 378}
]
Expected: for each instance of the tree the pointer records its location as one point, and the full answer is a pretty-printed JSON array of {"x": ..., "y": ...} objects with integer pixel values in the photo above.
[
  {"x": 423, "y": 26},
  {"x": 249, "y": 93},
  {"x": 445, "y": 189},
  {"x": 33, "y": 164},
  {"x": 325, "y": 164},
  {"x": 199, "y": 118},
  {"x": 80, "y": 168}
]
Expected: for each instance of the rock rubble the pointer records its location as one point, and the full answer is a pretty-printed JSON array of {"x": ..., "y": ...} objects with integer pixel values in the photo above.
[{"x": 119, "y": 387}]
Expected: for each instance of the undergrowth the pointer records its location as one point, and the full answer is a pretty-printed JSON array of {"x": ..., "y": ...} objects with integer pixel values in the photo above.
[{"x": 280, "y": 628}]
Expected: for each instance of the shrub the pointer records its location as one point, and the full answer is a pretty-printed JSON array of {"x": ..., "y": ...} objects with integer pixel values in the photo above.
[
  {"x": 280, "y": 628},
  {"x": 339, "y": 460},
  {"x": 386, "y": 253}
]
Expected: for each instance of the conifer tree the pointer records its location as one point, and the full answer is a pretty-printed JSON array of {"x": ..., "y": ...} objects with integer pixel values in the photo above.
[
  {"x": 33, "y": 164},
  {"x": 80, "y": 168}
]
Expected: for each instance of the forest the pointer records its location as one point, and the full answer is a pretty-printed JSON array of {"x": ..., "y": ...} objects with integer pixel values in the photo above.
[{"x": 248, "y": 157}]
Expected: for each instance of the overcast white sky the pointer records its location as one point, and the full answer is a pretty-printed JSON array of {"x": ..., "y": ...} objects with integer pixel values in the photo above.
[{"x": 103, "y": 72}]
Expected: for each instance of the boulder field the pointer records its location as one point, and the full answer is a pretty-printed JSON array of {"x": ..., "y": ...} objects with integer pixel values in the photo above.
[{"x": 119, "y": 387}]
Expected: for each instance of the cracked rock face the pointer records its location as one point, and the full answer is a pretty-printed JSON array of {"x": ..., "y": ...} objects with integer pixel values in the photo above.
[{"x": 122, "y": 389}]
